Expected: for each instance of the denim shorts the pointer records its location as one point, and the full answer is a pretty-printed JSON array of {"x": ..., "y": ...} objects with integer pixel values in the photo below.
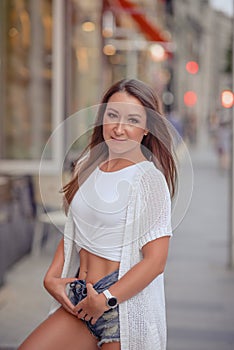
[{"x": 106, "y": 329}]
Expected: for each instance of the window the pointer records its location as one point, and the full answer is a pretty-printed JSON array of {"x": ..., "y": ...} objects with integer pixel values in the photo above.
[{"x": 30, "y": 69}]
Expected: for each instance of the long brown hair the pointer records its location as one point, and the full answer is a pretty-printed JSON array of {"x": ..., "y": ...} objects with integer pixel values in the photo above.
[{"x": 157, "y": 145}]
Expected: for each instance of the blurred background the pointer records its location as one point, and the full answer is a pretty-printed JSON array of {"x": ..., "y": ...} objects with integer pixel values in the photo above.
[{"x": 57, "y": 57}]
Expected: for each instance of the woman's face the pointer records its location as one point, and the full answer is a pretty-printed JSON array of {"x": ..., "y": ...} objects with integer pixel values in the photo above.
[{"x": 124, "y": 124}]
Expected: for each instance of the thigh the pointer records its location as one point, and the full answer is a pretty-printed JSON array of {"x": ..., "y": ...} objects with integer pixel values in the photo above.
[
  {"x": 111, "y": 346},
  {"x": 61, "y": 331}
]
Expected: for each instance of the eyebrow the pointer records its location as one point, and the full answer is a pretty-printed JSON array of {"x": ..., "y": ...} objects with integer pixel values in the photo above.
[
  {"x": 112, "y": 109},
  {"x": 135, "y": 115},
  {"x": 130, "y": 115}
]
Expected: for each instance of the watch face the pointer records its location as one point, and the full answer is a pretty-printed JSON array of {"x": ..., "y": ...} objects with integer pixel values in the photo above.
[{"x": 112, "y": 302}]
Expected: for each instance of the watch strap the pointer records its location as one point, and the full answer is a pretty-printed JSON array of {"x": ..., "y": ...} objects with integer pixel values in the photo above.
[{"x": 107, "y": 294}]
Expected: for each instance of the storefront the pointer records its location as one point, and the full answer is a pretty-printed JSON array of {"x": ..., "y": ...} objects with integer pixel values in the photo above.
[
  {"x": 43, "y": 50},
  {"x": 57, "y": 57}
]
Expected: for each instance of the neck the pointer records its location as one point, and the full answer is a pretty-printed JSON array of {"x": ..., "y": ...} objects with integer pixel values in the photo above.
[{"x": 117, "y": 163}]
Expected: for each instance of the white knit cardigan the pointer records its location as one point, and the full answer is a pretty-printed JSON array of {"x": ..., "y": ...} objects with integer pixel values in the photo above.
[{"x": 142, "y": 317}]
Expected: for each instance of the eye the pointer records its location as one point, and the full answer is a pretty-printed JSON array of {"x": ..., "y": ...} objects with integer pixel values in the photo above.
[
  {"x": 133, "y": 120},
  {"x": 112, "y": 115}
]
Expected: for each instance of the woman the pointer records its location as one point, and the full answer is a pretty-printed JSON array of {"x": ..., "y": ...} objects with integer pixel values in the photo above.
[{"x": 107, "y": 273}]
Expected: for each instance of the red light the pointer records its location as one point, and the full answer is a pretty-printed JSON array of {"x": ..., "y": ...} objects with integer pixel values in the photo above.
[
  {"x": 227, "y": 98},
  {"x": 192, "y": 67},
  {"x": 190, "y": 98}
]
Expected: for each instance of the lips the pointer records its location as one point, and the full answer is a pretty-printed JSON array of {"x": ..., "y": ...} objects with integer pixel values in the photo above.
[{"x": 118, "y": 140}]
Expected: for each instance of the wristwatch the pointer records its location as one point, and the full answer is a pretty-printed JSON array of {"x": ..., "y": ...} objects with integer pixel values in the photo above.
[{"x": 111, "y": 301}]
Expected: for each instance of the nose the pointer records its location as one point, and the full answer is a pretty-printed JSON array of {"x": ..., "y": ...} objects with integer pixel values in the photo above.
[{"x": 119, "y": 128}]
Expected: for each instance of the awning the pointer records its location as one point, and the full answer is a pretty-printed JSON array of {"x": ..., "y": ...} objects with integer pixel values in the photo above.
[{"x": 151, "y": 31}]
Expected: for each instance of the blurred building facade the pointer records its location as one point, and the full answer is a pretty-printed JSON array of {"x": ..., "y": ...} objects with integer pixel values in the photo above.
[
  {"x": 58, "y": 56},
  {"x": 203, "y": 38}
]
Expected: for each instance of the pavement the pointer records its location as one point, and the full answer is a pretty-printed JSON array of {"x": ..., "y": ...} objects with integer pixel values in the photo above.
[{"x": 199, "y": 285}]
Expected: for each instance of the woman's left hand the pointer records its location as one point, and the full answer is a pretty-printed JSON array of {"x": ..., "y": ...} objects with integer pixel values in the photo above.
[{"x": 92, "y": 307}]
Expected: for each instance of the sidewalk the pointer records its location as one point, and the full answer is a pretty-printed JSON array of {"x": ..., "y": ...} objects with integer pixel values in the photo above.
[{"x": 199, "y": 287}]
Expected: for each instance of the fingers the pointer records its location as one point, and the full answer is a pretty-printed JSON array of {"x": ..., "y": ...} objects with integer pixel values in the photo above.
[
  {"x": 82, "y": 315},
  {"x": 90, "y": 289},
  {"x": 93, "y": 320},
  {"x": 86, "y": 317},
  {"x": 88, "y": 309},
  {"x": 67, "y": 304},
  {"x": 69, "y": 310}
]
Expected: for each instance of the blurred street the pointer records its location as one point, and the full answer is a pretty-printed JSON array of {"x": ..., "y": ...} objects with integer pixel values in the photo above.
[{"x": 199, "y": 287}]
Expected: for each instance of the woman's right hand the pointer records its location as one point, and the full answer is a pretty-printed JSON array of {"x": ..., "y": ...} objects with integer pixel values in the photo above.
[{"x": 56, "y": 286}]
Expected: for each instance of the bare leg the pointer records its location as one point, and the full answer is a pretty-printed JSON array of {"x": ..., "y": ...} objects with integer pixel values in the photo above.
[{"x": 60, "y": 331}]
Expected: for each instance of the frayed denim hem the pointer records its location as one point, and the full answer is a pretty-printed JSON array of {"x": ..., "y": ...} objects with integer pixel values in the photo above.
[{"x": 105, "y": 341}]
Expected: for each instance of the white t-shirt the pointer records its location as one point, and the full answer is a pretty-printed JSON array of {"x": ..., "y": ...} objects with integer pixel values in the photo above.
[{"x": 99, "y": 211}]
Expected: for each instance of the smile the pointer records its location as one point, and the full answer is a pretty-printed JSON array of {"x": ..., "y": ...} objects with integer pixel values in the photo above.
[{"x": 118, "y": 140}]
